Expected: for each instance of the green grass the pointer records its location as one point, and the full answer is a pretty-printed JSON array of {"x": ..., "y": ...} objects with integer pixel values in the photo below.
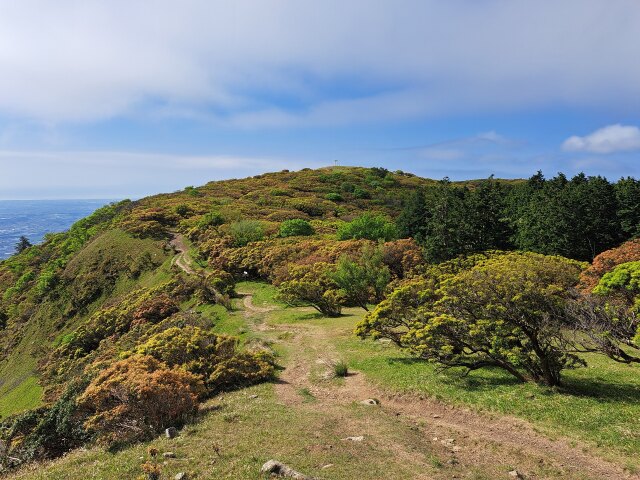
[
  {"x": 599, "y": 404},
  {"x": 264, "y": 294},
  {"x": 19, "y": 388},
  {"x": 225, "y": 322},
  {"x": 27, "y": 394},
  {"x": 240, "y": 434}
]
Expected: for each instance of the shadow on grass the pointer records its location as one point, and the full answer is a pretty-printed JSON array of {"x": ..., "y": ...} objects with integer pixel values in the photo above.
[
  {"x": 602, "y": 390},
  {"x": 491, "y": 378}
]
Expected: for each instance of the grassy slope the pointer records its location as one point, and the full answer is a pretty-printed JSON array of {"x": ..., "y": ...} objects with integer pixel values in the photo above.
[
  {"x": 247, "y": 431},
  {"x": 19, "y": 388}
]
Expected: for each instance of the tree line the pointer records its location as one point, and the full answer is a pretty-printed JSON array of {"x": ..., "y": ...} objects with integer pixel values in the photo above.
[{"x": 577, "y": 218}]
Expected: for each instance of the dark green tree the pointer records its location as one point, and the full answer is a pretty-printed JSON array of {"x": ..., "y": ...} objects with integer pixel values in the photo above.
[
  {"x": 23, "y": 244},
  {"x": 412, "y": 220},
  {"x": 628, "y": 197},
  {"x": 596, "y": 227},
  {"x": 447, "y": 230},
  {"x": 575, "y": 218},
  {"x": 488, "y": 226}
]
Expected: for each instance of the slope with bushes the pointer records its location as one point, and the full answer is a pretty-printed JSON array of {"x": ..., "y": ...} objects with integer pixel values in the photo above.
[{"x": 130, "y": 307}]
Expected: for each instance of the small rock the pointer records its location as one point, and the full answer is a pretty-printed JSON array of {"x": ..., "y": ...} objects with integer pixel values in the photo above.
[
  {"x": 354, "y": 439},
  {"x": 181, "y": 476},
  {"x": 253, "y": 396},
  {"x": 516, "y": 474},
  {"x": 435, "y": 415},
  {"x": 171, "y": 432},
  {"x": 169, "y": 455},
  {"x": 328, "y": 465},
  {"x": 370, "y": 401},
  {"x": 280, "y": 469},
  {"x": 447, "y": 442}
]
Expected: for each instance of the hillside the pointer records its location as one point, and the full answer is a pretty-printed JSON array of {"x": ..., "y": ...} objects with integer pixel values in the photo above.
[
  {"x": 50, "y": 289},
  {"x": 238, "y": 301}
]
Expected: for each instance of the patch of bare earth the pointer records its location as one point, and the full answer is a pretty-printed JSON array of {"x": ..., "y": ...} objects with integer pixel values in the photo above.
[
  {"x": 178, "y": 244},
  {"x": 470, "y": 441}
]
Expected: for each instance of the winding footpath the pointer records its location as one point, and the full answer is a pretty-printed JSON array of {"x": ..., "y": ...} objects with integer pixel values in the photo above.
[
  {"x": 469, "y": 439},
  {"x": 178, "y": 244}
]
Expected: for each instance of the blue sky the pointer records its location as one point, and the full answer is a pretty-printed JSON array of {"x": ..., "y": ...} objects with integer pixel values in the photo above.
[{"x": 128, "y": 98}]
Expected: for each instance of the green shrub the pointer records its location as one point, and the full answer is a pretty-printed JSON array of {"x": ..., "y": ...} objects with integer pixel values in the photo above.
[
  {"x": 211, "y": 219},
  {"x": 311, "y": 285},
  {"x": 183, "y": 210},
  {"x": 368, "y": 226},
  {"x": 501, "y": 313},
  {"x": 341, "y": 369},
  {"x": 296, "y": 228},
  {"x": 192, "y": 191},
  {"x": 280, "y": 192},
  {"x": 347, "y": 187},
  {"x": 361, "y": 193},
  {"x": 246, "y": 231},
  {"x": 48, "y": 432},
  {"x": 213, "y": 357},
  {"x": 334, "y": 197}
]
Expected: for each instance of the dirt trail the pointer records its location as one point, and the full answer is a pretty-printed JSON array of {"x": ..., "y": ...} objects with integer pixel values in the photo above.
[
  {"x": 495, "y": 443},
  {"x": 181, "y": 260},
  {"x": 249, "y": 308},
  {"x": 469, "y": 439}
]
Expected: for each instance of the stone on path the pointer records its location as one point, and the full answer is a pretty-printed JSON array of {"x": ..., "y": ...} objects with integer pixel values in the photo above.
[
  {"x": 370, "y": 401},
  {"x": 279, "y": 469}
]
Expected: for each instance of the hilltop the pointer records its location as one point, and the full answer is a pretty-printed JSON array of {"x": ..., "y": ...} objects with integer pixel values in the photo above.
[{"x": 228, "y": 310}]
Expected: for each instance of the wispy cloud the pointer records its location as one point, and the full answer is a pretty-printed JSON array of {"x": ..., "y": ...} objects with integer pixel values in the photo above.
[
  {"x": 610, "y": 139},
  {"x": 281, "y": 63}
]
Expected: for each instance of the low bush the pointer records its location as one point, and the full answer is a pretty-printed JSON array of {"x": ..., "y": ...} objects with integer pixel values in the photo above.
[
  {"x": 368, "y": 226},
  {"x": 212, "y": 357},
  {"x": 136, "y": 398},
  {"x": 333, "y": 197},
  {"x": 244, "y": 232},
  {"x": 341, "y": 369},
  {"x": 311, "y": 285},
  {"x": 295, "y": 228}
]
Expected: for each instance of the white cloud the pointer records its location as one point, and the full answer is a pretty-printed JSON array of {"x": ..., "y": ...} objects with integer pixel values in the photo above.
[
  {"x": 492, "y": 136},
  {"x": 229, "y": 61},
  {"x": 610, "y": 139}
]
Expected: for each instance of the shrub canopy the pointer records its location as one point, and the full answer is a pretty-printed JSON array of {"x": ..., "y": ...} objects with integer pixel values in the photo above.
[{"x": 506, "y": 311}]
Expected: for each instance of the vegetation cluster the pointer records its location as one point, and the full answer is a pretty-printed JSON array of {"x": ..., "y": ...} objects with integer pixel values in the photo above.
[{"x": 522, "y": 276}]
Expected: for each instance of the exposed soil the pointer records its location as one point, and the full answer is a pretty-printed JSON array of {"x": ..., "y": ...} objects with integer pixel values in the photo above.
[
  {"x": 178, "y": 244},
  {"x": 249, "y": 308},
  {"x": 465, "y": 437}
]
